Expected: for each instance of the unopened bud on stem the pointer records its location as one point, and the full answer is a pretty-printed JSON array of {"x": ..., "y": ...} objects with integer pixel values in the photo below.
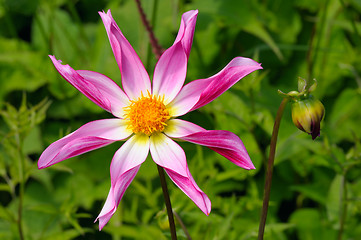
[{"x": 307, "y": 114}]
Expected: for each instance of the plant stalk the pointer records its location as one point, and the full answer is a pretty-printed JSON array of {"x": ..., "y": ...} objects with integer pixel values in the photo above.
[
  {"x": 167, "y": 203},
  {"x": 157, "y": 49},
  {"x": 271, "y": 158},
  {"x": 21, "y": 186},
  {"x": 182, "y": 225},
  {"x": 343, "y": 206},
  {"x": 20, "y": 211}
]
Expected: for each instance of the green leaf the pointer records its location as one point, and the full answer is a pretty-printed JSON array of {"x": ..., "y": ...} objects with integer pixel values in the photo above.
[
  {"x": 309, "y": 225},
  {"x": 5, "y": 187},
  {"x": 32, "y": 142},
  {"x": 6, "y": 215},
  {"x": 67, "y": 234},
  {"x": 22, "y": 6},
  {"x": 343, "y": 119},
  {"x": 313, "y": 192},
  {"x": 22, "y": 67},
  {"x": 334, "y": 196}
]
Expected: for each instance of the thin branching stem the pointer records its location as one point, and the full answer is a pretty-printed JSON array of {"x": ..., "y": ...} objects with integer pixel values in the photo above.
[
  {"x": 20, "y": 211},
  {"x": 182, "y": 225},
  {"x": 167, "y": 203},
  {"x": 21, "y": 185},
  {"x": 268, "y": 181},
  {"x": 157, "y": 49},
  {"x": 343, "y": 205}
]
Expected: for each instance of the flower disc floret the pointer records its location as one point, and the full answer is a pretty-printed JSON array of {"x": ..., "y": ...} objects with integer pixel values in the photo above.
[{"x": 147, "y": 115}]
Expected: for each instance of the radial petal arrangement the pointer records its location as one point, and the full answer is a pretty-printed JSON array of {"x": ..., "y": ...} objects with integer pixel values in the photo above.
[{"x": 145, "y": 114}]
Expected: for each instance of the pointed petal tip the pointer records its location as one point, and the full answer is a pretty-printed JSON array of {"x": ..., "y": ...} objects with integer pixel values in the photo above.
[
  {"x": 53, "y": 58},
  {"x": 42, "y": 163},
  {"x": 194, "y": 12},
  {"x": 252, "y": 167},
  {"x": 135, "y": 78},
  {"x": 60, "y": 67},
  {"x": 103, "y": 220},
  {"x": 247, "y": 163},
  {"x": 100, "y": 224},
  {"x": 40, "y": 167},
  {"x": 207, "y": 211},
  {"x": 103, "y": 12},
  {"x": 208, "y": 205}
]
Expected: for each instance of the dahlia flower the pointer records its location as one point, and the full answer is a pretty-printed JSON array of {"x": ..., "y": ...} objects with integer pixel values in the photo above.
[{"x": 145, "y": 114}]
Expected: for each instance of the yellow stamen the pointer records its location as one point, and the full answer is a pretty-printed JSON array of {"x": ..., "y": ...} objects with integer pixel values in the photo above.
[{"x": 146, "y": 115}]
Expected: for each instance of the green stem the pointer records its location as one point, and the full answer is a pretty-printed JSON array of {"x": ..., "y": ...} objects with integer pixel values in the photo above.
[
  {"x": 356, "y": 36},
  {"x": 167, "y": 203},
  {"x": 319, "y": 38},
  {"x": 20, "y": 211},
  {"x": 21, "y": 186},
  {"x": 343, "y": 206},
  {"x": 268, "y": 181},
  {"x": 182, "y": 225}
]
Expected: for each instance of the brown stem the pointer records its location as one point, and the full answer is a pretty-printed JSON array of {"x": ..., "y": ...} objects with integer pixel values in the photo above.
[
  {"x": 182, "y": 225},
  {"x": 157, "y": 49},
  {"x": 268, "y": 181},
  {"x": 167, "y": 203}
]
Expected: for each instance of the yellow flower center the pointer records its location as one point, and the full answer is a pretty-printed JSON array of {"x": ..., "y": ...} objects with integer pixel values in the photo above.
[{"x": 146, "y": 115}]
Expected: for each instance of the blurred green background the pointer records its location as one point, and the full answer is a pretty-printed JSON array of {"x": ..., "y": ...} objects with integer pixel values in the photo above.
[{"x": 316, "y": 189}]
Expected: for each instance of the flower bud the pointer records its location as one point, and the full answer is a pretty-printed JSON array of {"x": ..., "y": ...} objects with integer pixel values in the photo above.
[{"x": 307, "y": 114}]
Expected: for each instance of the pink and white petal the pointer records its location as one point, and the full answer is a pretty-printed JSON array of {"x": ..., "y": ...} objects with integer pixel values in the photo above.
[
  {"x": 238, "y": 68},
  {"x": 135, "y": 79},
  {"x": 115, "y": 194},
  {"x": 228, "y": 144},
  {"x": 125, "y": 165},
  {"x": 177, "y": 128},
  {"x": 132, "y": 153},
  {"x": 187, "y": 97},
  {"x": 107, "y": 87},
  {"x": 171, "y": 69},
  {"x": 169, "y": 155},
  {"x": 186, "y": 30},
  {"x": 88, "y": 137},
  {"x": 170, "y": 73},
  {"x": 191, "y": 189},
  {"x": 94, "y": 90},
  {"x": 201, "y": 92}
]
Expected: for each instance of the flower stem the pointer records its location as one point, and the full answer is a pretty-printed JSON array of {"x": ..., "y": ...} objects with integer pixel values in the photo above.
[
  {"x": 157, "y": 49},
  {"x": 182, "y": 225},
  {"x": 20, "y": 211},
  {"x": 271, "y": 158},
  {"x": 343, "y": 206},
  {"x": 21, "y": 185},
  {"x": 167, "y": 203}
]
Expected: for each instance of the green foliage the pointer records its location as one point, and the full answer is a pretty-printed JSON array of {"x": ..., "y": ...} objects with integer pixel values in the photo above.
[{"x": 316, "y": 189}]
